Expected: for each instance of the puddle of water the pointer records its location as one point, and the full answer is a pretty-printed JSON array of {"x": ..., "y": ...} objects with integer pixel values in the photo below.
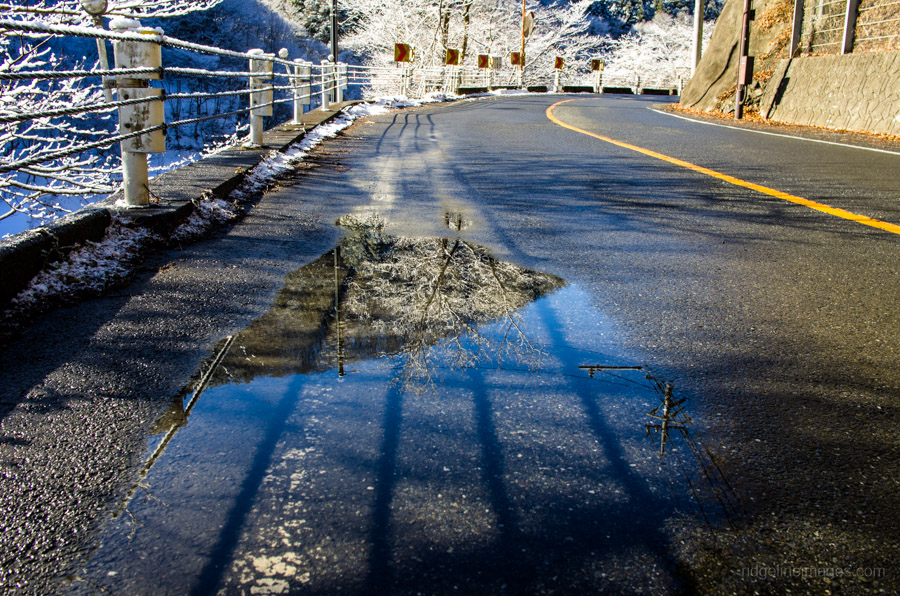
[{"x": 452, "y": 427}]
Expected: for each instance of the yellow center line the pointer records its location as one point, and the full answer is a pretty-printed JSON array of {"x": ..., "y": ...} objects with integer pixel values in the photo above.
[{"x": 867, "y": 221}]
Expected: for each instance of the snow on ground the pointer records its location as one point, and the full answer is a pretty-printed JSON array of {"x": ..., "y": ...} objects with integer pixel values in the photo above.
[
  {"x": 209, "y": 212},
  {"x": 87, "y": 271}
]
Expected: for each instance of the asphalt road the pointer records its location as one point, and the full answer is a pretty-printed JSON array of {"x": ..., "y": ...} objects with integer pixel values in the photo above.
[{"x": 780, "y": 323}]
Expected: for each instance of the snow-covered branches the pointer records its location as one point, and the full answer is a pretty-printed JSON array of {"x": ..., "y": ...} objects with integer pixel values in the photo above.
[
  {"x": 654, "y": 49},
  {"x": 50, "y": 127},
  {"x": 72, "y": 11},
  {"x": 35, "y": 189},
  {"x": 472, "y": 26}
]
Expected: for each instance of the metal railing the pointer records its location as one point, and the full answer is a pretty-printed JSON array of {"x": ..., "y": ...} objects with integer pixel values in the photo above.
[
  {"x": 878, "y": 25},
  {"x": 845, "y": 26}
]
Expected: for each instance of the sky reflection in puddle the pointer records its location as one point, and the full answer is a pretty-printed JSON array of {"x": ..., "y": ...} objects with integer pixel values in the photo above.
[{"x": 438, "y": 436}]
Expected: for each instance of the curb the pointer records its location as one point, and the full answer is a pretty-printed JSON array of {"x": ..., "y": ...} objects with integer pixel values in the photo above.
[{"x": 26, "y": 254}]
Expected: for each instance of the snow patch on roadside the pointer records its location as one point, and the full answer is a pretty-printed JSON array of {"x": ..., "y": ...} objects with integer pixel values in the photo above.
[
  {"x": 88, "y": 270},
  {"x": 209, "y": 212}
]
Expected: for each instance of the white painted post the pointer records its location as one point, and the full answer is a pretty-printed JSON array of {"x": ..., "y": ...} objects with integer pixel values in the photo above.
[
  {"x": 135, "y": 118},
  {"x": 260, "y": 97},
  {"x": 302, "y": 87},
  {"x": 326, "y": 79},
  {"x": 96, "y": 9},
  {"x": 556, "y": 81}
]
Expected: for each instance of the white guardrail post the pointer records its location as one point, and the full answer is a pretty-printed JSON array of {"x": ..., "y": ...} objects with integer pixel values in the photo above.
[
  {"x": 326, "y": 79},
  {"x": 263, "y": 94},
  {"x": 142, "y": 116},
  {"x": 302, "y": 88},
  {"x": 341, "y": 82}
]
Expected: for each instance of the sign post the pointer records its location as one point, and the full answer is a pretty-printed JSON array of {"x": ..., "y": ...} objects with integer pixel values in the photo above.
[
  {"x": 403, "y": 52},
  {"x": 745, "y": 67},
  {"x": 527, "y": 28},
  {"x": 558, "y": 64},
  {"x": 598, "y": 66}
]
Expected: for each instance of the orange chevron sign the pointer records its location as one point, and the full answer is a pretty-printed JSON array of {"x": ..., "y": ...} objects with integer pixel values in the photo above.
[
  {"x": 403, "y": 52},
  {"x": 559, "y": 63},
  {"x": 515, "y": 58},
  {"x": 452, "y": 58},
  {"x": 484, "y": 61}
]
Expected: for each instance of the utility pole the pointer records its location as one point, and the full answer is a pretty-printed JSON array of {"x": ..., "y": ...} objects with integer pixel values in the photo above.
[
  {"x": 699, "y": 11},
  {"x": 745, "y": 66},
  {"x": 334, "y": 31}
]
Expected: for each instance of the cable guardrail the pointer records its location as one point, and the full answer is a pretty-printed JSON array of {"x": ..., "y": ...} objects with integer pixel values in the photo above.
[
  {"x": 37, "y": 146},
  {"x": 31, "y": 136},
  {"x": 845, "y": 26}
]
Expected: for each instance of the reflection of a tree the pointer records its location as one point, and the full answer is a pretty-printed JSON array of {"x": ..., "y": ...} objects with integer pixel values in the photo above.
[
  {"x": 419, "y": 299},
  {"x": 432, "y": 294}
]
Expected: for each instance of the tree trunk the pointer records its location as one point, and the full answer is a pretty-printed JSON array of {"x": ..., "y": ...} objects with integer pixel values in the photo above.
[{"x": 465, "y": 40}]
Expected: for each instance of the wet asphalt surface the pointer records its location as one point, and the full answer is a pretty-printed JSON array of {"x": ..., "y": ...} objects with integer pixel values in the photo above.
[{"x": 779, "y": 322}]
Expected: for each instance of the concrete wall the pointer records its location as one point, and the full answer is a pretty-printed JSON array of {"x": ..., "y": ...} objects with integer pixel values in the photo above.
[{"x": 858, "y": 92}]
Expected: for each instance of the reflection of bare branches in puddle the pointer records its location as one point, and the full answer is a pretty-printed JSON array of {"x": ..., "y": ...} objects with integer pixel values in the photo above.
[
  {"x": 375, "y": 295},
  {"x": 709, "y": 482},
  {"x": 431, "y": 295}
]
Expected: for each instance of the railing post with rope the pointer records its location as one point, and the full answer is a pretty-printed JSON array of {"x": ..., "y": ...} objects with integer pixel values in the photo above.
[
  {"x": 262, "y": 97},
  {"x": 137, "y": 117},
  {"x": 340, "y": 81},
  {"x": 302, "y": 85},
  {"x": 326, "y": 71}
]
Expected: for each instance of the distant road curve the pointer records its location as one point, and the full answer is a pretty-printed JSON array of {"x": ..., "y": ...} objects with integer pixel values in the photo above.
[{"x": 837, "y": 212}]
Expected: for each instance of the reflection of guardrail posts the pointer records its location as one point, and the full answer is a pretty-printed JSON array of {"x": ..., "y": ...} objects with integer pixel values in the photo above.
[
  {"x": 261, "y": 85},
  {"x": 302, "y": 88},
  {"x": 142, "y": 116}
]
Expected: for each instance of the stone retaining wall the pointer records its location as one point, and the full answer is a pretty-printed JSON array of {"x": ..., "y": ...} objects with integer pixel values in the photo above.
[{"x": 858, "y": 92}]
